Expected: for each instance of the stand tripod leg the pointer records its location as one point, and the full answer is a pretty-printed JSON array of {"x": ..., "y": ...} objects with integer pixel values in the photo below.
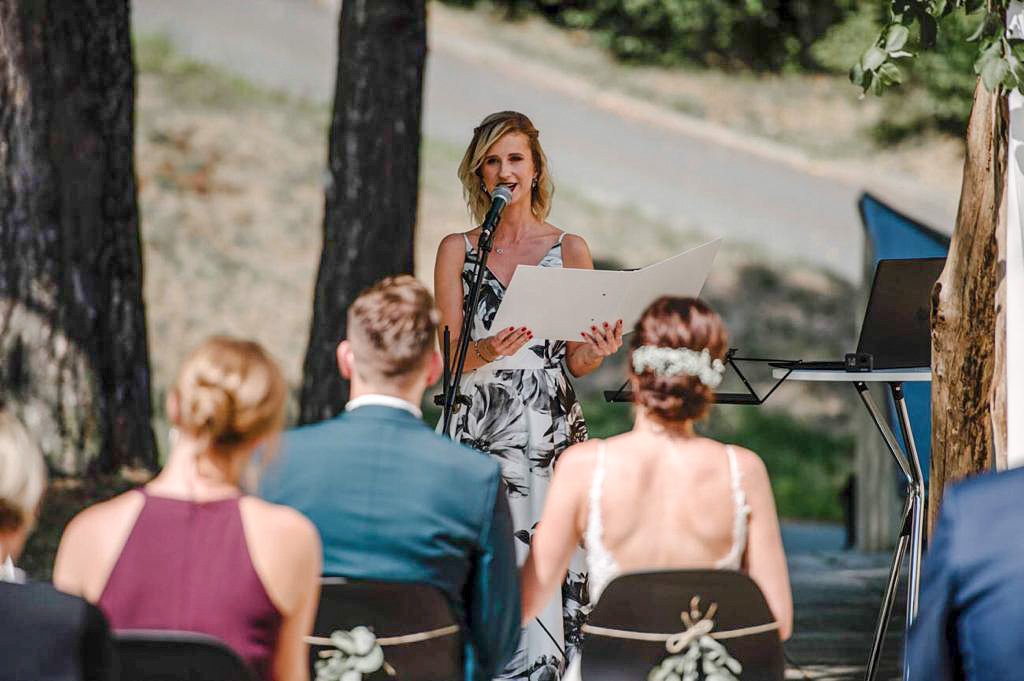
[
  {"x": 889, "y": 597},
  {"x": 916, "y": 495}
]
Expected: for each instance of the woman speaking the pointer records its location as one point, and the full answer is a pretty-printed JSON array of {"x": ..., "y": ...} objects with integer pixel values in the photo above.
[{"x": 523, "y": 409}]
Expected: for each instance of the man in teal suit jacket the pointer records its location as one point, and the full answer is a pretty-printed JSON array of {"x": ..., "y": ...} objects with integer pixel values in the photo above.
[{"x": 392, "y": 499}]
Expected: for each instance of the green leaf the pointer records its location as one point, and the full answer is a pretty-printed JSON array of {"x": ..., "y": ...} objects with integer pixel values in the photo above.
[
  {"x": 993, "y": 72},
  {"x": 900, "y": 54},
  {"x": 873, "y": 58},
  {"x": 876, "y": 86},
  {"x": 857, "y": 75},
  {"x": 978, "y": 32},
  {"x": 972, "y": 6},
  {"x": 1016, "y": 69},
  {"x": 890, "y": 74},
  {"x": 896, "y": 38}
]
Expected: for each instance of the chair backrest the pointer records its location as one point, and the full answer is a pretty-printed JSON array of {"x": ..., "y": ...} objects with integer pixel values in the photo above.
[
  {"x": 412, "y": 622},
  {"x": 652, "y": 604},
  {"x": 176, "y": 656}
]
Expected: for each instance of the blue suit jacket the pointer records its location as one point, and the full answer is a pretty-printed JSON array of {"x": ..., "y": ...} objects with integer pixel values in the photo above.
[
  {"x": 395, "y": 501},
  {"x": 970, "y": 622}
]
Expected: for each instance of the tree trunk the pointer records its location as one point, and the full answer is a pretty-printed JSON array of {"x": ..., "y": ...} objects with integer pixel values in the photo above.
[
  {"x": 964, "y": 309},
  {"x": 373, "y": 180},
  {"x": 73, "y": 355}
]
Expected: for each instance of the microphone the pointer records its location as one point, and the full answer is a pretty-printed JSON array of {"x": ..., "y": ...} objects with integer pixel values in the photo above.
[{"x": 500, "y": 198}]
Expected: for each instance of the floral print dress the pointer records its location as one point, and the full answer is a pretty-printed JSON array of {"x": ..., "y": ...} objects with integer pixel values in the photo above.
[{"x": 524, "y": 413}]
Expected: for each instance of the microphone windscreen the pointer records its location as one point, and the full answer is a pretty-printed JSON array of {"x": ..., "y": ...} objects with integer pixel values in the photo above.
[{"x": 501, "y": 192}]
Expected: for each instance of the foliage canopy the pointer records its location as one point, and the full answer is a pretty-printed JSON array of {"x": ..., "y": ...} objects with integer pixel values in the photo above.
[{"x": 998, "y": 59}]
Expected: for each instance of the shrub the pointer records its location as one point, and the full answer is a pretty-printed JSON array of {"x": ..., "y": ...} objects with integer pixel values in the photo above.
[{"x": 764, "y": 35}]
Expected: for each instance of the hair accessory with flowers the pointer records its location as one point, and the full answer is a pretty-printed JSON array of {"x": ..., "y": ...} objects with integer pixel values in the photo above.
[{"x": 674, "y": 361}]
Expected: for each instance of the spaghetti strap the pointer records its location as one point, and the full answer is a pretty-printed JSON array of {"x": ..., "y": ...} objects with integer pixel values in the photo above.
[
  {"x": 741, "y": 515},
  {"x": 560, "y": 237},
  {"x": 600, "y": 562},
  {"x": 469, "y": 246},
  {"x": 594, "y": 525}
]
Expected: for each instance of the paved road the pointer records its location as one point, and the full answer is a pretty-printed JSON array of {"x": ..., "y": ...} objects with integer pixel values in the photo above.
[{"x": 689, "y": 179}]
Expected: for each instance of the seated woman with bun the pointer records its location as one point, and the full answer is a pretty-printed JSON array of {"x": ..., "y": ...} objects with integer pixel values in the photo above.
[
  {"x": 660, "y": 496},
  {"x": 189, "y": 551}
]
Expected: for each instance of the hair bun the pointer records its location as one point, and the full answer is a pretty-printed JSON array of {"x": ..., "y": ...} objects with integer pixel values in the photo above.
[
  {"x": 229, "y": 391},
  {"x": 208, "y": 409},
  {"x": 671, "y": 322}
]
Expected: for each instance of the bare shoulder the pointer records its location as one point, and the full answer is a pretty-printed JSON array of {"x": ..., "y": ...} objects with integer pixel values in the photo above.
[
  {"x": 575, "y": 246},
  {"x": 751, "y": 466},
  {"x": 577, "y": 460},
  {"x": 96, "y": 521},
  {"x": 91, "y": 542},
  {"x": 283, "y": 523},
  {"x": 456, "y": 241}
]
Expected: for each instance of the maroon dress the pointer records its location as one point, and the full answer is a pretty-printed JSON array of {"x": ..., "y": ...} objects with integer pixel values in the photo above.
[{"x": 186, "y": 567}]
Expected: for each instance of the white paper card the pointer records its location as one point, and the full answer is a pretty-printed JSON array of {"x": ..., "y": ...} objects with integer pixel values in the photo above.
[{"x": 558, "y": 303}]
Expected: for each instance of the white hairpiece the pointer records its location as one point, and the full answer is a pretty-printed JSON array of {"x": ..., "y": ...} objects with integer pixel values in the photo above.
[{"x": 674, "y": 361}]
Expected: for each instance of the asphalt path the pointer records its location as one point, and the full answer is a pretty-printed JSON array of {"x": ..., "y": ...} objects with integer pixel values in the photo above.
[{"x": 671, "y": 169}]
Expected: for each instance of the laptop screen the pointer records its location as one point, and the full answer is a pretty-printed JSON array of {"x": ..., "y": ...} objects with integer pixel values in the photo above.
[{"x": 897, "y": 327}]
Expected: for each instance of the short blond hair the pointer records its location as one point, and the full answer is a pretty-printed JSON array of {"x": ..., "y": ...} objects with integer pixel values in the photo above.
[
  {"x": 229, "y": 391},
  {"x": 22, "y": 474},
  {"x": 391, "y": 329},
  {"x": 490, "y": 130}
]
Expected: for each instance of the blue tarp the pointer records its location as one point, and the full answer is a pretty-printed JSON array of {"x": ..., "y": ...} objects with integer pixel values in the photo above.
[{"x": 894, "y": 235}]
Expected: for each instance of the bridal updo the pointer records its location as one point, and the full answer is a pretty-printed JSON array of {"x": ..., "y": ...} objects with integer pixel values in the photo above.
[
  {"x": 229, "y": 392},
  {"x": 673, "y": 323}
]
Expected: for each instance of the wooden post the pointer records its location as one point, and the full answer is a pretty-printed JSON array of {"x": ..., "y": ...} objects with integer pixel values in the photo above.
[{"x": 965, "y": 405}]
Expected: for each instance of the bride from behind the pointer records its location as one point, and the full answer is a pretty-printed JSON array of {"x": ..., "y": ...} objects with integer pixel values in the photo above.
[{"x": 661, "y": 497}]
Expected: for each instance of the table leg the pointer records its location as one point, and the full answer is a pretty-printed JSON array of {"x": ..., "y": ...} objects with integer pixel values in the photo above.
[
  {"x": 912, "y": 526},
  {"x": 889, "y": 596}
]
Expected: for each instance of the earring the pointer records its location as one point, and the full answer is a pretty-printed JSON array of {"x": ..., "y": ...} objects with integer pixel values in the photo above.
[
  {"x": 535, "y": 183},
  {"x": 483, "y": 187}
]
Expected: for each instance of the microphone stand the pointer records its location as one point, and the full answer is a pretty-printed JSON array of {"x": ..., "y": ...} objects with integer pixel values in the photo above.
[{"x": 451, "y": 395}]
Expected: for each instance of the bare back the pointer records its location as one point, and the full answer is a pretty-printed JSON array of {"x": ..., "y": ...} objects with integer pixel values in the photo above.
[
  {"x": 667, "y": 504},
  {"x": 662, "y": 503}
]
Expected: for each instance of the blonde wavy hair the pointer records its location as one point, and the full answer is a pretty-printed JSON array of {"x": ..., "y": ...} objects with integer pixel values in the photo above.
[
  {"x": 229, "y": 392},
  {"x": 22, "y": 474},
  {"x": 490, "y": 130}
]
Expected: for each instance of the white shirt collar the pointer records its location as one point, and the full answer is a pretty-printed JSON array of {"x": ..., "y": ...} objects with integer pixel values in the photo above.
[
  {"x": 384, "y": 401},
  {"x": 9, "y": 573}
]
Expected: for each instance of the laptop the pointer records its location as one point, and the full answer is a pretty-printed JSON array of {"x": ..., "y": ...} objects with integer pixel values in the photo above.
[{"x": 896, "y": 330}]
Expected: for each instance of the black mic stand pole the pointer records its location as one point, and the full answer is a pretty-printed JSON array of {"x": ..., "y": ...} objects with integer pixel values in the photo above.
[{"x": 452, "y": 393}]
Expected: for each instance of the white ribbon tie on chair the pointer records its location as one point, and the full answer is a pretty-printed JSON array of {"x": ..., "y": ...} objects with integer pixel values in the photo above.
[
  {"x": 694, "y": 649},
  {"x": 358, "y": 652}
]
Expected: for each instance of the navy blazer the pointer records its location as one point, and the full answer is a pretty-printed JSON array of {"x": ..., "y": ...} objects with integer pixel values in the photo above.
[
  {"x": 46, "y": 635},
  {"x": 970, "y": 622},
  {"x": 393, "y": 500}
]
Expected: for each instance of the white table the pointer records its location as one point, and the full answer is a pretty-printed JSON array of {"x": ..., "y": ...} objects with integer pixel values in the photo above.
[{"x": 912, "y": 519}]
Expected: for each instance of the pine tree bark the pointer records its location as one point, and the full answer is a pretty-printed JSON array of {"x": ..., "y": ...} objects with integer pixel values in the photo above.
[
  {"x": 966, "y": 393},
  {"x": 73, "y": 357},
  {"x": 373, "y": 164}
]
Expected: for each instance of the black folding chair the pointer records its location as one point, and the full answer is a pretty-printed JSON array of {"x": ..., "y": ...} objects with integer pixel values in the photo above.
[
  {"x": 176, "y": 656},
  {"x": 412, "y": 623},
  {"x": 649, "y": 620}
]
